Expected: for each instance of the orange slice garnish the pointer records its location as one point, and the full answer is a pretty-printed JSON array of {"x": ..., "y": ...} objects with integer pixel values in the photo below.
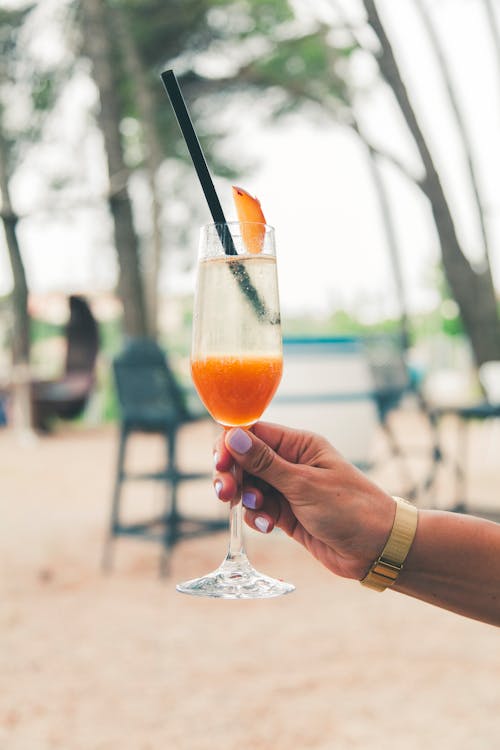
[{"x": 249, "y": 210}]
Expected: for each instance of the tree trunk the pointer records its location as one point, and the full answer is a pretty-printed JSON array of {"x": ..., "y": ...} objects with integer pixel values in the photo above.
[
  {"x": 21, "y": 388},
  {"x": 473, "y": 291},
  {"x": 154, "y": 156},
  {"x": 97, "y": 35},
  {"x": 21, "y": 322}
]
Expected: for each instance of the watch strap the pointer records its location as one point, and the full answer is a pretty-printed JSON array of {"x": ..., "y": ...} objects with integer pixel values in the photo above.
[{"x": 385, "y": 570}]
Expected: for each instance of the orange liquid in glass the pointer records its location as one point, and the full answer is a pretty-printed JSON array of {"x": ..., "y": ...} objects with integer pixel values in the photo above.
[{"x": 236, "y": 390}]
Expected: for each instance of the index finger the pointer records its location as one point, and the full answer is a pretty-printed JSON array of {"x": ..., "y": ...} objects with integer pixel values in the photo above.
[{"x": 223, "y": 460}]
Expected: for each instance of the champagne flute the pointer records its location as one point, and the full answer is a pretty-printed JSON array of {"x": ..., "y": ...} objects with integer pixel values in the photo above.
[{"x": 236, "y": 365}]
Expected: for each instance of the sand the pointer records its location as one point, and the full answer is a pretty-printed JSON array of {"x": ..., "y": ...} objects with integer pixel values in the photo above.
[{"x": 123, "y": 662}]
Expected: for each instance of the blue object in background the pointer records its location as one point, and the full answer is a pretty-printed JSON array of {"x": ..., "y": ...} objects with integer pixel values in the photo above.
[{"x": 3, "y": 412}]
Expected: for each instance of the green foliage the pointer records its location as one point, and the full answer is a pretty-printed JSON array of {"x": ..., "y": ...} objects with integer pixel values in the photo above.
[
  {"x": 25, "y": 81},
  {"x": 305, "y": 68},
  {"x": 44, "y": 91},
  {"x": 109, "y": 402},
  {"x": 344, "y": 323},
  {"x": 110, "y": 337},
  {"x": 452, "y": 325},
  {"x": 258, "y": 48},
  {"x": 41, "y": 330},
  {"x": 339, "y": 323},
  {"x": 11, "y": 22},
  {"x": 182, "y": 29}
]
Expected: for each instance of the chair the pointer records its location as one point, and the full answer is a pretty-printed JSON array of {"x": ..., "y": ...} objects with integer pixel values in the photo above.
[
  {"x": 394, "y": 380},
  {"x": 488, "y": 408},
  {"x": 67, "y": 396},
  {"x": 391, "y": 375},
  {"x": 151, "y": 401}
]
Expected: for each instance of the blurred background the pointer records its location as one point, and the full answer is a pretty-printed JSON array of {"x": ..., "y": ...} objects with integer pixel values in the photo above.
[{"x": 369, "y": 132}]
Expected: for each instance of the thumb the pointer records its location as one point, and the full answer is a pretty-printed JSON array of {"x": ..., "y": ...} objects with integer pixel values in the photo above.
[{"x": 258, "y": 458}]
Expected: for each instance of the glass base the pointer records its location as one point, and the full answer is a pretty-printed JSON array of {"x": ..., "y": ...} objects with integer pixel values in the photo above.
[{"x": 235, "y": 579}]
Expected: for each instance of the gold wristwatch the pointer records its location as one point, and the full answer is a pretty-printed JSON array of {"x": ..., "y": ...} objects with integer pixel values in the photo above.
[{"x": 385, "y": 570}]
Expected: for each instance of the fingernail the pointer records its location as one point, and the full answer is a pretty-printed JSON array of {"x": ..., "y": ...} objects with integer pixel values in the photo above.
[
  {"x": 218, "y": 487},
  {"x": 262, "y": 524},
  {"x": 249, "y": 500},
  {"x": 240, "y": 441},
  {"x": 216, "y": 458}
]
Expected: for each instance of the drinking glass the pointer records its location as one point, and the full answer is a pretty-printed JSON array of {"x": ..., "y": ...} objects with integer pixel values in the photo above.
[{"x": 236, "y": 365}]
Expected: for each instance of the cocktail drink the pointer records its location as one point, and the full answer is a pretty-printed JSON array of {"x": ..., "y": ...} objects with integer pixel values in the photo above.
[
  {"x": 236, "y": 365},
  {"x": 237, "y": 351}
]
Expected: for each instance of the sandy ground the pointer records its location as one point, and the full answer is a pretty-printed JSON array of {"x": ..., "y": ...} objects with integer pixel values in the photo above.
[{"x": 123, "y": 662}]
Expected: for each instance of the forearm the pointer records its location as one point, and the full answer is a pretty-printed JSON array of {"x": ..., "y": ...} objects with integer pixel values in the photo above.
[{"x": 454, "y": 563}]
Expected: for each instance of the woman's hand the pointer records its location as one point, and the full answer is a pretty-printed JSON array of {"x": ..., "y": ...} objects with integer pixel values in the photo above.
[{"x": 297, "y": 481}]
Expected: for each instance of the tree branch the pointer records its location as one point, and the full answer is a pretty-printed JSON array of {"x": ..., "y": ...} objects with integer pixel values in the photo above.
[
  {"x": 459, "y": 120},
  {"x": 386, "y": 156}
]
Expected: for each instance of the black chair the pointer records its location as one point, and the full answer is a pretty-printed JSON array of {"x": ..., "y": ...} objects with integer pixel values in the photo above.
[
  {"x": 67, "y": 396},
  {"x": 151, "y": 401}
]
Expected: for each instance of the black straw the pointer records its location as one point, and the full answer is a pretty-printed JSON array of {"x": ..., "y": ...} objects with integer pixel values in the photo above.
[{"x": 198, "y": 158}]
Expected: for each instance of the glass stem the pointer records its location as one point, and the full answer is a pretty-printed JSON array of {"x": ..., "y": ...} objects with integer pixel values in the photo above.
[{"x": 236, "y": 549}]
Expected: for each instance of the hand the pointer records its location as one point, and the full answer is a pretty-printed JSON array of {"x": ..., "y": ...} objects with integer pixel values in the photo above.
[{"x": 297, "y": 481}]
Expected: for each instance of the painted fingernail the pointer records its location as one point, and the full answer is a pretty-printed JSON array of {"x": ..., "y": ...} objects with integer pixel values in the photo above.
[
  {"x": 262, "y": 524},
  {"x": 218, "y": 487},
  {"x": 249, "y": 500},
  {"x": 240, "y": 441}
]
